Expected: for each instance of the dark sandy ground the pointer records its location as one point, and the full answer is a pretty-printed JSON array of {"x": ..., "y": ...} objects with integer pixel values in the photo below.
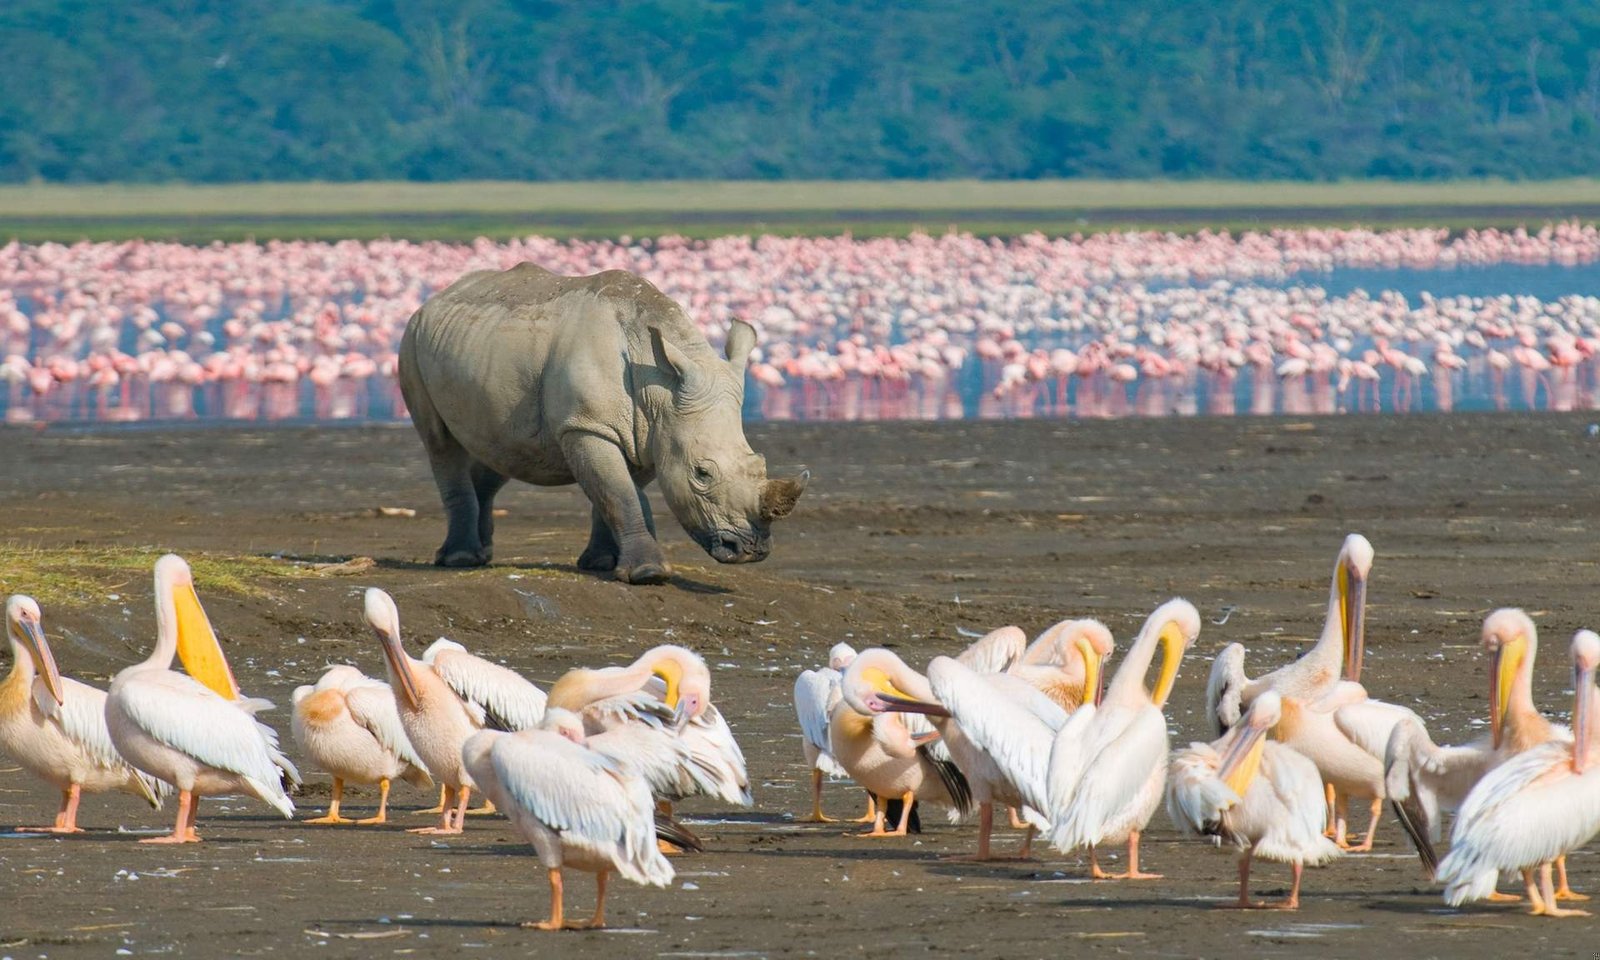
[{"x": 910, "y": 535}]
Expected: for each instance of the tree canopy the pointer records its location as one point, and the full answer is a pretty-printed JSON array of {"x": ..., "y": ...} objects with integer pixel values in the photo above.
[{"x": 250, "y": 90}]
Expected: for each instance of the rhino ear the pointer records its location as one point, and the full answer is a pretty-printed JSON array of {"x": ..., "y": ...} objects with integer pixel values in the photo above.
[
  {"x": 671, "y": 361},
  {"x": 741, "y": 340}
]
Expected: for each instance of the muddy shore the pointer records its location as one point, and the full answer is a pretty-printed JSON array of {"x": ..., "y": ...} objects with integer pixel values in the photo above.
[{"x": 913, "y": 536}]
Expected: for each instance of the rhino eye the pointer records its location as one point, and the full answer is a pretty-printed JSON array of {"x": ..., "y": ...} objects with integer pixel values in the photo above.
[{"x": 703, "y": 472}]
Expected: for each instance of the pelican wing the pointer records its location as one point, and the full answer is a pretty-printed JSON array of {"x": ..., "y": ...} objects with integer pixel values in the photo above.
[
  {"x": 583, "y": 796},
  {"x": 182, "y": 713},
  {"x": 892, "y": 732},
  {"x": 1299, "y": 814},
  {"x": 83, "y": 719},
  {"x": 372, "y": 706},
  {"x": 652, "y": 752},
  {"x": 1197, "y": 800},
  {"x": 1068, "y": 756},
  {"x": 995, "y": 651},
  {"x": 1369, "y": 723},
  {"x": 508, "y": 701},
  {"x": 710, "y": 737},
  {"x": 612, "y": 712},
  {"x": 1422, "y": 779},
  {"x": 1118, "y": 756},
  {"x": 815, "y": 693},
  {"x": 997, "y": 718},
  {"x": 1225, "y": 689}
]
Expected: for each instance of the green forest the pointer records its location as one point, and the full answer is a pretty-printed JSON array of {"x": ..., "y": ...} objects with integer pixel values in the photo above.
[{"x": 219, "y": 91}]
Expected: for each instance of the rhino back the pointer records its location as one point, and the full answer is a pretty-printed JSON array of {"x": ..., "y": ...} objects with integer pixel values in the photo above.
[{"x": 511, "y": 360}]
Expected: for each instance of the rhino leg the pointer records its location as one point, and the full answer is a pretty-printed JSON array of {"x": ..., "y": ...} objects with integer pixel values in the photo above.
[
  {"x": 620, "y": 533},
  {"x": 452, "y": 473},
  {"x": 601, "y": 553},
  {"x": 452, "y": 470},
  {"x": 485, "y": 484}
]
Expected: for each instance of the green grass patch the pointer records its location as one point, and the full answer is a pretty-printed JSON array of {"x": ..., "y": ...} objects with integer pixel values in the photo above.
[
  {"x": 462, "y": 211},
  {"x": 77, "y": 575}
]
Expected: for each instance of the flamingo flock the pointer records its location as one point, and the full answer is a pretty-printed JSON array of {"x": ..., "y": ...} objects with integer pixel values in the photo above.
[{"x": 919, "y": 327}]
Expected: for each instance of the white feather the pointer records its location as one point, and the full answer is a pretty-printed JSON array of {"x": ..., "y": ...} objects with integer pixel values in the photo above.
[
  {"x": 372, "y": 705},
  {"x": 995, "y": 651},
  {"x": 185, "y": 715},
  {"x": 1003, "y": 722},
  {"x": 815, "y": 693},
  {"x": 506, "y": 700}
]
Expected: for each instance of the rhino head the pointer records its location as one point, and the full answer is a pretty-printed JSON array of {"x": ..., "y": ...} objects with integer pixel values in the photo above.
[{"x": 714, "y": 483}]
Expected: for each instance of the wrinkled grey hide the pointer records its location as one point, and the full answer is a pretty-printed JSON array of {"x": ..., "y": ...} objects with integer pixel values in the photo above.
[{"x": 601, "y": 381}]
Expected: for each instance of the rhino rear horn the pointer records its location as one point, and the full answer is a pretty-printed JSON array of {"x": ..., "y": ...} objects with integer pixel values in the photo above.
[
  {"x": 741, "y": 340},
  {"x": 778, "y": 496}
]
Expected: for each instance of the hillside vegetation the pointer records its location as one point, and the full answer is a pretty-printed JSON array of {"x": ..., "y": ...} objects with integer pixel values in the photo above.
[{"x": 287, "y": 90}]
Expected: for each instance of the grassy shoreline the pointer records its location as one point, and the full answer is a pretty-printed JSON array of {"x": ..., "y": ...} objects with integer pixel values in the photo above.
[{"x": 461, "y": 211}]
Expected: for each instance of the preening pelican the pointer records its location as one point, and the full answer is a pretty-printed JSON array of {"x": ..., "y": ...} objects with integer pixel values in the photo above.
[
  {"x": 507, "y": 700},
  {"x": 878, "y": 749},
  {"x": 998, "y": 729},
  {"x": 578, "y": 808},
  {"x": 1057, "y": 663},
  {"x": 1534, "y": 807},
  {"x": 55, "y": 727},
  {"x": 1336, "y": 727},
  {"x": 435, "y": 720},
  {"x": 1339, "y": 650},
  {"x": 193, "y": 731},
  {"x": 1109, "y": 762},
  {"x": 1262, "y": 798},
  {"x": 1424, "y": 779},
  {"x": 667, "y": 692},
  {"x": 816, "y": 692},
  {"x": 349, "y": 725}
]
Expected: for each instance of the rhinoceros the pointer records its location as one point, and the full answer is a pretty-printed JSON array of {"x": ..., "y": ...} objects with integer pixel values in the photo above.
[{"x": 602, "y": 381}]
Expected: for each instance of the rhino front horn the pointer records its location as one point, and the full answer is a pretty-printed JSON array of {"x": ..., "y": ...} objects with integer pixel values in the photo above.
[{"x": 778, "y": 496}]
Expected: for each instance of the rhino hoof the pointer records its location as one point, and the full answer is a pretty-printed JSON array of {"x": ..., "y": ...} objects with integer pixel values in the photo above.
[
  {"x": 461, "y": 558},
  {"x": 645, "y": 573},
  {"x": 600, "y": 561}
]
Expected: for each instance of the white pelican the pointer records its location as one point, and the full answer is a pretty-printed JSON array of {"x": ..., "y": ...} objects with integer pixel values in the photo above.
[
  {"x": 1109, "y": 762},
  {"x": 667, "y": 690},
  {"x": 577, "y": 807},
  {"x": 878, "y": 749},
  {"x": 1262, "y": 798},
  {"x": 997, "y": 727},
  {"x": 1332, "y": 723},
  {"x": 1423, "y": 779},
  {"x": 1057, "y": 662},
  {"x": 1338, "y": 650},
  {"x": 507, "y": 700},
  {"x": 816, "y": 692},
  {"x": 349, "y": 725},
  {"x": 194, "y": 731},
  {"x": 55, "y": 727},
  {"x": 1533, "y": 808},
  {"x": 436, "y": 721}
]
